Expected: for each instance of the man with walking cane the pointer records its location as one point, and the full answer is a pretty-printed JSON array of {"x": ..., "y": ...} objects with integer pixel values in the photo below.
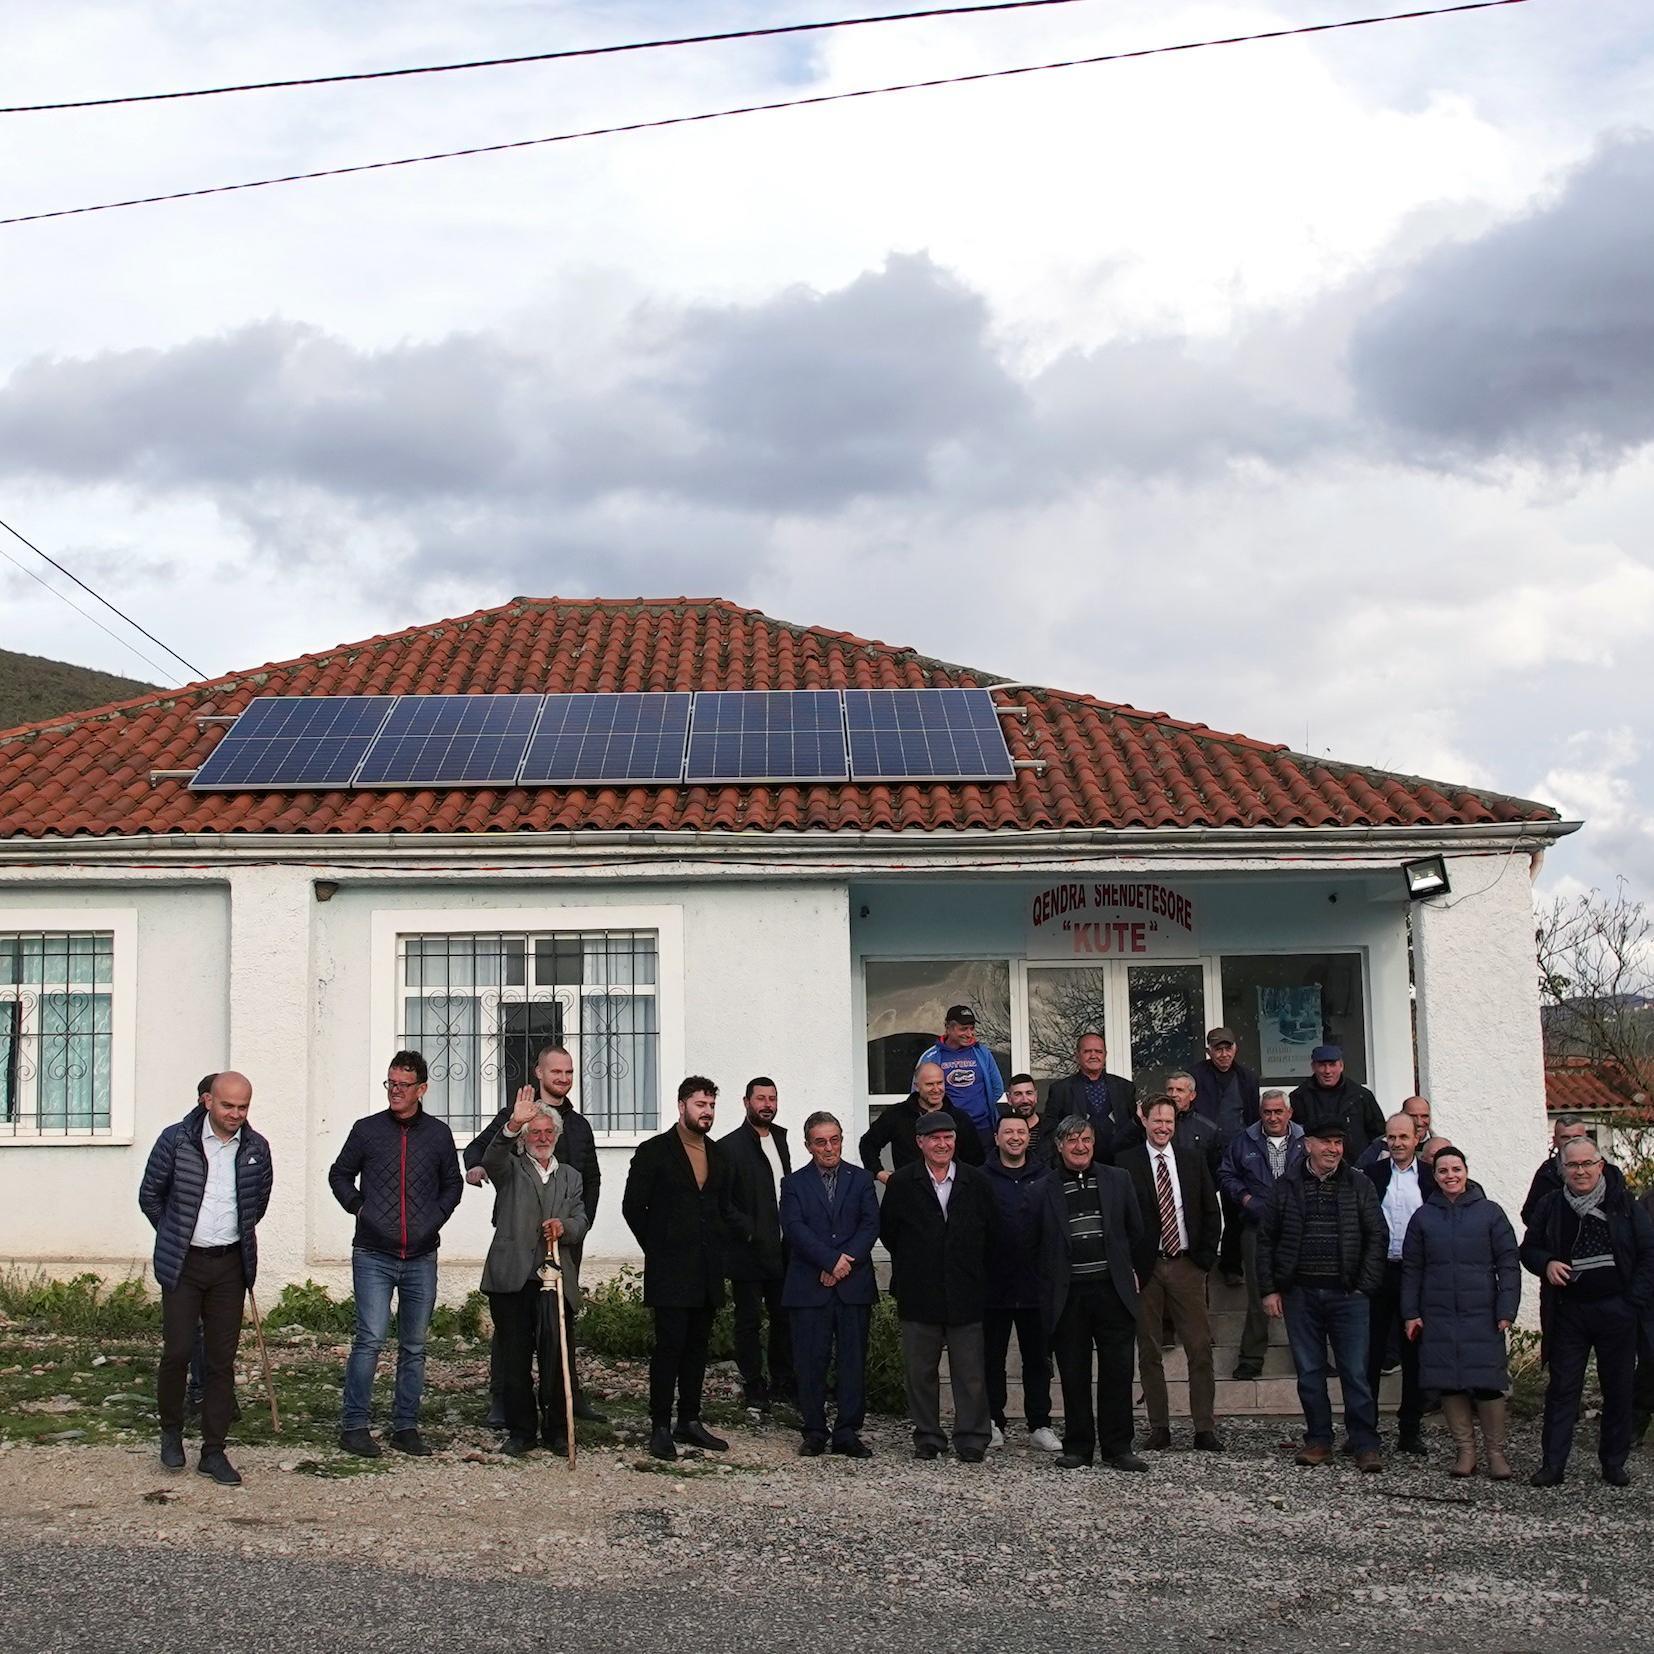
[
  {"x": 204, "y": 1189},
  {"x": 538, "y": 1204}
]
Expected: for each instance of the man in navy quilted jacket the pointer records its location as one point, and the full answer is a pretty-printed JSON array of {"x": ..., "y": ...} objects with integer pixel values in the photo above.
[
  {"x": 204, "y": 1189},
  {"x": 398, "y": 1174}
]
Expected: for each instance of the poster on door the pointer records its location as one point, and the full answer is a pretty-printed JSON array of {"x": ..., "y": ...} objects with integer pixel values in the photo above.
[
  {"x": 1091, "y": 920},
  {"x": 1289, "y": 1028}
]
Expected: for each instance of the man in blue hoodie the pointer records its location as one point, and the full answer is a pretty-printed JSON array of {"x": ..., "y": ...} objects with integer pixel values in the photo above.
[{"x": 974, "y": 1087}]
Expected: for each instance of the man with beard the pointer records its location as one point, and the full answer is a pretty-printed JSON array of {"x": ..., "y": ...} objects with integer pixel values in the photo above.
[
  {"x": 758, "y": 1160},
  {"x": 677, "y": 1205},
  {"x": 1022, "y": 1100}
]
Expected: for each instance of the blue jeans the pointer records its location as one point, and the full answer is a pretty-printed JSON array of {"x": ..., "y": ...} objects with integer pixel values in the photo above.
[
  {"x": 374, "y": 1277},
  {"x": 1315, "y": 1317}
]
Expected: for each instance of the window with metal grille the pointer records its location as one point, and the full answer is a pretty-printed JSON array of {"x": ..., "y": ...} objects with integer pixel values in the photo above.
[
  {"x": 56, "y": 1032},
  {"x": 478, "y": 1006}
]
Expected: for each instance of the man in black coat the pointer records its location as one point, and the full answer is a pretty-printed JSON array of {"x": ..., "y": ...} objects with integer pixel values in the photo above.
[
  {"x": 895, "y": 1128},
  {"x": 936, "y": 1222},
  {"x": 1565, "y": 1129},
  {"x": 1099, "y": 1252},
  {"x": 1108, "y": 1101},
  {"x": 678, "y": 1205},
  {"x": 1179, "y": 1205},
  {"x": 576, "y": 1147},
  {"x": 758, "y": 1159},
  {"x": 1592, "y": 1247},
  {"x": 1320, "y": 1256},
  {"x": 1226, "y": 1093},
  {"x": 1330, "y": 1096}
]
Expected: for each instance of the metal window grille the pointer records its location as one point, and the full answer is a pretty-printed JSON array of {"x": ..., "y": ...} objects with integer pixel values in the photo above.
[
  {"x": 479, "y": 1006},
  {"x": 56, "y": 1032}
]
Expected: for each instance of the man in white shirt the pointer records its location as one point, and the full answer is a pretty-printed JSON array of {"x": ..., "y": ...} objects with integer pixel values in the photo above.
[{"x": 1404, "y": 1182}]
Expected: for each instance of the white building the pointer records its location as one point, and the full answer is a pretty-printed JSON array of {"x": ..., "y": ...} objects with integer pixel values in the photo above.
[{"x": 1154, "y": 875}]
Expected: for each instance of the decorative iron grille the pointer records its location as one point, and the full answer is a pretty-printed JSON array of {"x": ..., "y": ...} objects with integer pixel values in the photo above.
[
  {"x": 479, "y": 1006},
  {"x": 56, "y": 1033}
]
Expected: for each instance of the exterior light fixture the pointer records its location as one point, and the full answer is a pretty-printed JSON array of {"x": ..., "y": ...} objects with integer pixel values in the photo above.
[{"x": 1425, "y": 878}]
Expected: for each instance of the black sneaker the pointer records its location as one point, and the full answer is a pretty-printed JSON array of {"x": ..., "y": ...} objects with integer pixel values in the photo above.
[
  {"x": 1126, "y": 1461},
  {"x": 853, "y": 1447},
  {"x": 1208, "y": 1441},
  {"x": 172, "y": 1449},
  {"x": 214, "y": 1464},
  {"x": 517, "y": 1447},
  {"x": 969, "y": 1455},
  {"x": 1160, "y": 1438},
  {"x": 812, "y": 1447},
  {"x": 1246, "y": 1370},
  {"x": 1616, "y": 1475},
  {"x": 1412, "y": 1442},
  {"x": 660, "y": 1443},
  {"x": 361, "y": 1443},
  {"x": 410, "y": 1442},
  {"x": 1546, "y": 1476},
  {"x": 1072, "y": 1461},
  {"x": 927, "y": 1451},
  {"x": 695, "y": 1434}
]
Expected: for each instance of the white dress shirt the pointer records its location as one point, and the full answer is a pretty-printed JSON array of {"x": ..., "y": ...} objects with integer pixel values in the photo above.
[
  {"x": 218, "y": 1222},
  {"x": 943, "y": 1187},
  {"x": 543, "y": 1172},
  {"x": 1401, "y": 1200},
  {"x": 1165, "y": 1155}
]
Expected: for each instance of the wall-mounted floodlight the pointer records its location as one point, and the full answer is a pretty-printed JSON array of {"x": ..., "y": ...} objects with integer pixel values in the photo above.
[{"x": 1425, "y": 877}]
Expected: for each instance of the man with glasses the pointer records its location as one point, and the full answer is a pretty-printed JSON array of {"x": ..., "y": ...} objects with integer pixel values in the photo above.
[
  {"x": 398, "y": 1175},
  {"x": 1592, "y": 1247}
]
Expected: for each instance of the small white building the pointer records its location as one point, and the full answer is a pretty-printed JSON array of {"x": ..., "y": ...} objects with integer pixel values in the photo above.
[{"x": 1141, "y": 873}]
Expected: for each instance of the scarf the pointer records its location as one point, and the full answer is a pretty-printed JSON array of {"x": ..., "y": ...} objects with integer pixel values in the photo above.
[{"x": 1584, "y": 1205}]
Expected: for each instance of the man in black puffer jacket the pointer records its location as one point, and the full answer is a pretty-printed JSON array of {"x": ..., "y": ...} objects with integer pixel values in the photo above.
[
  {"x": 398, "y": 1174},
  {"x": 204, "y": 1189}
]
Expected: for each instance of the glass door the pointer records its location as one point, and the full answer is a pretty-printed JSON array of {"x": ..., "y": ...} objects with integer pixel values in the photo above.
[{"x": 1166, "y": 1010}]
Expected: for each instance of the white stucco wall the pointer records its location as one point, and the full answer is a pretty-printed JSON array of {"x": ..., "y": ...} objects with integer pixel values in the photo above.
[{"x": 1480, "y": 1054}]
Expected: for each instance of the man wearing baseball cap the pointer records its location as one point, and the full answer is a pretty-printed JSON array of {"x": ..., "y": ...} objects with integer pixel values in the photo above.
[
  {"x": 1330, "y": 1094},
  {"x": 1321, "y": 1250},
  {"x": 1226, "y": 1092},
  {"x": 974, "y": 1087}
]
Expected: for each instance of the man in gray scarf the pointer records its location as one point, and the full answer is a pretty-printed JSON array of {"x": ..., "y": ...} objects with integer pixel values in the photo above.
[{"x": 1592, "y": 1248}]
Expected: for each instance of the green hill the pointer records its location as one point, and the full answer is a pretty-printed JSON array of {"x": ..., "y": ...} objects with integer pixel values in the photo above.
[{"x": 32, "y": 688}]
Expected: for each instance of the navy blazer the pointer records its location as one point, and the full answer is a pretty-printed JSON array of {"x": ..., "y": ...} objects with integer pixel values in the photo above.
[{"x": 817, "y": 1237}]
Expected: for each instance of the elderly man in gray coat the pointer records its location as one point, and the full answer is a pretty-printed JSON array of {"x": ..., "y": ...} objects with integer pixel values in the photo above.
[{"x": 537, "y": 1201}]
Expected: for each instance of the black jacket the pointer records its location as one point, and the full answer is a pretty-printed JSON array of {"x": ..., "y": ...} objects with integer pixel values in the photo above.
[
  {"x": 683, "y": 1230},
  {"x": 1201, "y": 1216},
  {"x": 1131, "y": 1248},
  {"x": 894, "y": 1128},
  {"x": 401, "y": 1181},
  {"x": 1363, "y": 1235},
  {"x": 1022, "y": 1248},
  {"x": 175, "y": 1182},
  {"x": 576, "y": 1147},
  {"x": 755, "y": 1192},
  {"x": 1210, "y": 1086},
  {"x": 938, "y": 1265},
  {"x": 1352, "y": 1105},
  {"x": 1554, "y": 1226},
  {"x": 1067, "y": 1096},
  {"x": 1546, "y": 1181}
]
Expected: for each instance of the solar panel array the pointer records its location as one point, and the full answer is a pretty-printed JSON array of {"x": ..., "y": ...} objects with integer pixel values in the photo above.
[{"x": 716, "y": 737}]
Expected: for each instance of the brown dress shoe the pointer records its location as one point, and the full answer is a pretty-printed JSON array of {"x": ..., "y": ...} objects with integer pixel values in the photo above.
[
  {"x": 1369, "y": 1462},
  {"x": 1313, "y": 1453}
]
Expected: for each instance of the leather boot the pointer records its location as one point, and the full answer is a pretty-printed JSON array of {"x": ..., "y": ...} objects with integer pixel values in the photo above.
[
  {"x": 1492, "y": 1416},
  {"x": 1457, "y": 1410}
]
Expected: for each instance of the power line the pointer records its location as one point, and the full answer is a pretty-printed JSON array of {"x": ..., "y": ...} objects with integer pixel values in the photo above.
[
  {"x": 68, "y": 574},
  {"x": 759, "y": 109},
  {"x": 64, "y": 597},
  {"x": 538, "y": 57}
]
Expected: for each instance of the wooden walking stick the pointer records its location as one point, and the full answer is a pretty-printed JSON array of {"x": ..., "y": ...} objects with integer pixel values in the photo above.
[
  {"x": 551, "y": 1278},
  {"x": 264, "y": 1356}
]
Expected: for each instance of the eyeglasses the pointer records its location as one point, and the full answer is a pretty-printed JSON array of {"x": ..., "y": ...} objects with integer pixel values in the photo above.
[
  {"x": 1582, "y": 1165},
  {"x": 402, "y": 1085}
]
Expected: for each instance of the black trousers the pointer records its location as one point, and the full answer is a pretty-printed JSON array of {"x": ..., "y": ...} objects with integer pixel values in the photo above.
[
  {"x": 1577, "y": 1327},
  {"x": 751, "y": 1299},
  {"x": 1035, "y": 1349},
  {"x": 1234, "y": 1225},
  {"x": 832, "y": 1335},
  {"x": 678, "y": 1364},
  {"x": 1642, "y": 1397},
  {"x": 496, "y": 1372},
  {"x": 526, "y": 1331},
  {"x": 209, "y": 1295},
  {"x": 1095, "y": 1320},
  {"x": 1384, "y": 1321}
]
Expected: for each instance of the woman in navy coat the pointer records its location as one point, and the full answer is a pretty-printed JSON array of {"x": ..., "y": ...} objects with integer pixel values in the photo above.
[{"x": 1461, "y": 1285}]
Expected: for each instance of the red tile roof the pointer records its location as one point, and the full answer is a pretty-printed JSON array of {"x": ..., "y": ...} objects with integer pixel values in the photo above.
[
  {"x": 1107, "y": 766},
  {"x": 1577, "y": 1085}
]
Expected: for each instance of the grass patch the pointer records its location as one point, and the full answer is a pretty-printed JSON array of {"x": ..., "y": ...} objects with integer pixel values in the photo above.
[{"x": 86, "y": 1304}]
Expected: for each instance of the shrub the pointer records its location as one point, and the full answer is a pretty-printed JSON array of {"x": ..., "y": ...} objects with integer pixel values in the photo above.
[
  {"x": 84, "y": 1304},
  {"x": 613, "y": 1321},
  {"x": 463, "y": 1322},
  {"x": 312, "y": 1307},
  {"x": 1527, "y": 1377}
]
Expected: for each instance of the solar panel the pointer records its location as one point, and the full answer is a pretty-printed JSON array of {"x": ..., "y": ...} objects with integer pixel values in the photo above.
[
  {"x": 757, "y": 735},
  {"x": 294, "y": 741},
  {"x": 926, "y": 735},
  {"x": 623, "y": 738},
  {"x": 451, "y": 741}
]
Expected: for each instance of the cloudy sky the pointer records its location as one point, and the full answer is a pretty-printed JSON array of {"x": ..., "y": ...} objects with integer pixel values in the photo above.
[{"x": 1305, "y": 388}]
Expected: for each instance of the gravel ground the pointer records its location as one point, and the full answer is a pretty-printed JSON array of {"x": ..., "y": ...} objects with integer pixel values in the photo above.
[{"x": 1004, "y": 1553}]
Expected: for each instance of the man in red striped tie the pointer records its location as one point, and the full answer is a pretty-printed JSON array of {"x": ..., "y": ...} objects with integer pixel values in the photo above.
[{"x": 1179, "y": 1202}]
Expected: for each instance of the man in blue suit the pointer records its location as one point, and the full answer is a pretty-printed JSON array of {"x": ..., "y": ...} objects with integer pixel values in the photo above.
[{"x": 830, "y": 1220}]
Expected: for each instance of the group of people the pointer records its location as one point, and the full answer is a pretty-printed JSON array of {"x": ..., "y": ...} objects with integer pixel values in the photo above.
[{"x": 1087, "y": 1228}]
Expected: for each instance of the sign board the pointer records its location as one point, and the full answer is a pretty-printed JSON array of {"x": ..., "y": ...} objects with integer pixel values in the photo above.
[
  {"x": 1289, "y": 1028},
  {"x": 1090, "y": 920}
]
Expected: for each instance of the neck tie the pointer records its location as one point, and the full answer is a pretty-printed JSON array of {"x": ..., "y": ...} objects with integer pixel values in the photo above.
[{"x": 1168, "y": 1208}]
